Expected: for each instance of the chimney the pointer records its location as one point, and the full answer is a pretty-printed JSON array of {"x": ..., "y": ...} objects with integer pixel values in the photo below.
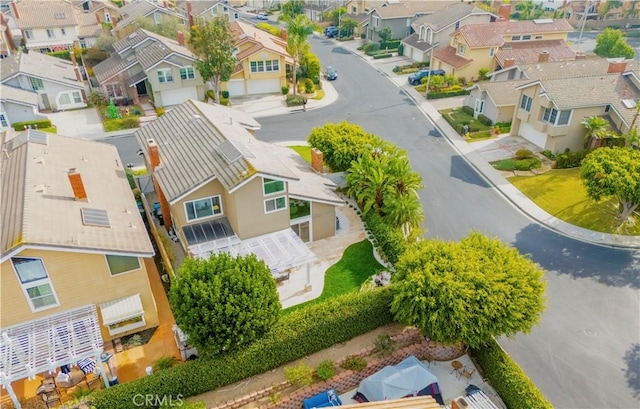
[
  {"x": 98, "y": 18},
  {"x": 165, "y": 4},
  {"x": 14, "y": 10},
  {"x": 154, "y": 155},
  {"x": 77, "y": 186},
  {"x": 180, "y": 38},
  {"x": 189, "y": 16},
  {"x": 283, "y": 34},
  {"x": 317, "y": 160},
  {"x": 581, "y": 56},
  {"x": 617, "y": 67},
  {"x": 76, "y": 69},
  {"x": 543, "y": 56},
  {"x": 504, "y": 12},
  {"x": 508, "y": 62}
]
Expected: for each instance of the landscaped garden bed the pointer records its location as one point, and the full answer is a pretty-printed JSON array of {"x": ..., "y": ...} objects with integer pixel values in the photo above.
[
  {"x": 477, "y": 128},
  {"x": 117, "y": 118}
]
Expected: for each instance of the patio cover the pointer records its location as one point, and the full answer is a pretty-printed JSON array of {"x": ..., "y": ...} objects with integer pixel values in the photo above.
[
  {"x": 281, "y": 250},
  {"x": 45, "y": 344}
]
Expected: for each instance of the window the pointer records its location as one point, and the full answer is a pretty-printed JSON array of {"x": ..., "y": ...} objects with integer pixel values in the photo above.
[
  {"x": 3, "y": 120},
  {"x": 83, "y": 43},
  {"x": 36, "y": 83},
  {"x": 203, "y": 208},
  {"x": 354, "y": 10},
  {"x": 157, "y": 18},
  {"x": 538, "y": 37},
  {"x": 165, "y": 75},
  {"x": 236, "y": 16},
  {"x": 457, "y": 25},
  {"x": 272, "y": 65},
  {"x": 491, "y": 52},
  {"x": 63, "y": 31},
  {"x": 262, "y": 66},
  {"x": 479, "y": 106},
  {"x": 107, "y": 17},
  {"x": 526, "y": 37},
  {"x": 525, "y": 103},
  {"x": 50, "y": 33},
  {"x": 65, "y": 99},
  {"x": 515, "y": 38},
  {"x": 77, "y": 97},
  {"x": 187, "y": 73},
  {"x": 275, "y": 204},
  {"x": 555, "y": 117},
  {"x": 462, "y": 49},
  {"x": 35, "y": 282},
  {"x": 270, "y": 186},
  {"x": 122, "y": 264},
  {"x": 28, "y": 34},
  {"x": 607, "y": 108},
  {"x": 376, "y": 21},
  {"x": 114, "y": 91}
]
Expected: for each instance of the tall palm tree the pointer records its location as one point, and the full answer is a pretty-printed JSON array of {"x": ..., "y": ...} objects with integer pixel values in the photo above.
[
  {"x": 404, "y": 211},
  {"x": 368, "y": 181},
  {"x": 298, "y": 30},
  {"x": 597, "y": 130}
]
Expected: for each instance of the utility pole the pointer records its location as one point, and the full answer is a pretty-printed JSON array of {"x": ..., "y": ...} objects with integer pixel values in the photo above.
[{"x": 584, "y": 20}]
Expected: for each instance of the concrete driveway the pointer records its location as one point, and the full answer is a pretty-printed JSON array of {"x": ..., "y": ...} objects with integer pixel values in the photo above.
[{"x": 80, "y": 123}]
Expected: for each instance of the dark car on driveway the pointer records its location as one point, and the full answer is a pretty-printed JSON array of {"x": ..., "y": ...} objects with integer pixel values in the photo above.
[
  {"x": 331, "y": 31},
  {"x": 414, "y": 79},
  {"x": 331, "y": 74}
]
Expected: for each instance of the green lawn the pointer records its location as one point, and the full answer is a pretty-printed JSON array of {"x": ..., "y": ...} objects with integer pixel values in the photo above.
[
  {"x": 355, "y": 267},
  {"x": 560, "y": 192},
  {"x": 304, "y": 151}
]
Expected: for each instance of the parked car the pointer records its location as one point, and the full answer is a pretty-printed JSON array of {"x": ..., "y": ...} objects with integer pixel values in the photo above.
[
  {"x": 331, "y": 74},
  {"x": 262, "y": 16},
  {"x": 331, "y": 31},
  {"x": 414, "y": 79}
]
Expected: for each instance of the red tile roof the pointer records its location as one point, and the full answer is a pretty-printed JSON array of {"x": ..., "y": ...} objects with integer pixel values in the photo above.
[
  {"x": 528, "y": 52},
  {"x": 492, "y": 34},
  {"x": 448, "y": 55}
]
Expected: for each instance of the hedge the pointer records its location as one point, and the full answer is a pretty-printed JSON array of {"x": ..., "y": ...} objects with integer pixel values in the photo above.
[
  {"x": 296, "y": 335},
  {"x": 508, "y": 379},
  {"x": 467, "y": 110},
  {"x": 379, "y": 56},
  {"x": 570, "y": 159},
  {"x": 437, "y": 95},
  {"x": 484, "y": 120},
  {"x": 389, "y": 44},
  {"x": 41, "y": 123},
  {"x": 389, "y": 239}
]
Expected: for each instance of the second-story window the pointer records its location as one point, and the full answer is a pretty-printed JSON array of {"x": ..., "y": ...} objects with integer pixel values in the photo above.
[
  {"x": 525, "y": 103},
  {"x": 35, "y": 282},
  {"x": 165, "y": 75},
  {"x": 50, "y": 33},
  {"x": 462, "y": 49},
  {"x": 270, "y": 186},
  {"x": 63, "y": 31},
  {"x": 28, "y": 34},
  {"x": 36, "y": 83},
  {"x": 187, "y": 73}
]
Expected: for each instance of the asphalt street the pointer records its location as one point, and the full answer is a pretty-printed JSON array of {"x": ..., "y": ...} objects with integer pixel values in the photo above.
[
  {"x": 586, "y": 352},
  {"x": 588, "y": 42}
]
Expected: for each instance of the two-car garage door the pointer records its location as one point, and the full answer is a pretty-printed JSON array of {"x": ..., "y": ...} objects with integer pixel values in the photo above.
[
  {"x": 178, "y": 96},
  {"x": 254, "y": 87}
]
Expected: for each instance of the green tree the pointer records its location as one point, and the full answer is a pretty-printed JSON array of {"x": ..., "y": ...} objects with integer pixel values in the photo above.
[
  {"x": 348, "y": 26},
  {"x": 310, "y": 66},
  {"x": 404, "y": 211},
  {"x": 291, "y": 9},
  {"x": 212, "y": 41},
  {"x": 611, "y": 44},
  {"x": 435, "y": 82},
  {"x": 167, "y": 27},
  {"x": 385, "y": 34},
  {"x": 298, "y": 30},
  {"x": 224, "y": 303},
  {"x": 470, "y": 291},
  {"x": 614, "y": 172},
  {"x": 336, "y": 14},
  {"x": 597, "y": 130}
]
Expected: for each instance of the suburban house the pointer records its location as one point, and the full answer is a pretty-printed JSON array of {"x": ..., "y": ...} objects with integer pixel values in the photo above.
[
  {"x": 222, "y": 190},
  {"x": 89, "y": 29},
  {"x": 7, "y": 46},
  {"x": 133, "y": 11},
  {"x": 46, "y": 26},
  {"x": 434, "y": 30},
  {"x": 501, "y": 44},
  {"x": 103, "y": 11},
  {"x": 262, "y": 61},
  {"x": 17, "y": 105},
  {"x": 58, "y": 82},
  {"x": 398, "y": 15},
  {"x": 73, "y": 275},
  {"x": 361, "y": 6},
  {"x": 314, "y": 9},
  {"x": 206, "y": 10},
  {"x": 148, "y": 64}
]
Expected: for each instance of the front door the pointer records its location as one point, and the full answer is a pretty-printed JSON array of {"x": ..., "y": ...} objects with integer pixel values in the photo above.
[{"x": 141, "y": 88}]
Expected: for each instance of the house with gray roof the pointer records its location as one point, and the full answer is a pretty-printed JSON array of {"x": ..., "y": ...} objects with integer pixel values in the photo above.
[
  {"x": 398, "y": 15},
  {"x": 434, "y": 30},
  {"x": 17, "y": 105},
  {"x": 58, "y": 83},
  {"x": 221, "y": 189},
  {"x": 133, "y": 11},
  {"x": 206, "y": 10},
  {"x": 148, "y": 64}
]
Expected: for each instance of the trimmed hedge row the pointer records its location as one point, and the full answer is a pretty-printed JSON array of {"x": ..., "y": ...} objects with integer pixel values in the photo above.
[
  {"x": 570, "y": 159},
  {"x": 388, "y": 239},
  {"x": 296, "y": 335},
  {"x": 437, "y": 95},
  {"x": 379, "y": 56},
  {"x": 390, "y": 44},
  {"x": 41, "y": 123},
  {"x": 508, "y": 379}
]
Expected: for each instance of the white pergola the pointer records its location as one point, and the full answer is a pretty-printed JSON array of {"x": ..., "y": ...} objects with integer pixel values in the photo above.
[{"x": 47, "y": 343}]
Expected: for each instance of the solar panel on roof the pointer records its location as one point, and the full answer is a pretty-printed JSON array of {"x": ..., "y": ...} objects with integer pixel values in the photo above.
[
  {"x": 95, "y": 217},
  {"x": 229, "y": 152}
]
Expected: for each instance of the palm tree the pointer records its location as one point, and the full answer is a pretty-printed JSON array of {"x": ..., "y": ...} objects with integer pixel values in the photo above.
[
  {"x": 298, "y": 30},
  {"x": 404, "y": 211},
  {"x": 405, "y": 180},
  {"x": 597, "y": 130},
  {"x": 368, "y": 181}
]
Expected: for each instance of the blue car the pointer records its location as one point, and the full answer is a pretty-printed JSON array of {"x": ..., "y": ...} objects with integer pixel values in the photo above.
[
  {"x": 331, "y": 74},
  {"x": 414, "y": 79},
  {"x": 331, "y": 31}
]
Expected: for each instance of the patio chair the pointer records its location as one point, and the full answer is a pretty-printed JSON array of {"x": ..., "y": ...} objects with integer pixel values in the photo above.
[{"x": 467, "y": 374}]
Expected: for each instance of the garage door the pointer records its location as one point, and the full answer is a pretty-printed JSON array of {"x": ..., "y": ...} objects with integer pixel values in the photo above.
[
  {"x": 235, "y": 87},
  {"x": 529, "y": 133},
  {"x": 263, "y": 86},
  {"x": 178, "y": 96}
]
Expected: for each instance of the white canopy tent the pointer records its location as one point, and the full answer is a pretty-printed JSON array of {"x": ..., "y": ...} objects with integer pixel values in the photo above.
[{"x": 45, "y": 344}]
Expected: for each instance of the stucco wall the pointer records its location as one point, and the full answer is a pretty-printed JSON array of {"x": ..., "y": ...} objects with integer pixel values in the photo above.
[{"x": 323, "y": 219}]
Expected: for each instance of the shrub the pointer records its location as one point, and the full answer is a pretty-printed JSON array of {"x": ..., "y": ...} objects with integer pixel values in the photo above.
[
  {"x": 548, "y": 154},
  {"x": 401, "y": 49},
  {"x": 160, "y": 111},
  {"x": 325, "y": 370},
  {"x": 97, "y": 98},
  {"x": 354, "y": 363},
  {"x": 484, "y": 120},
  {"x": 570, "y": 159},
  {"x": 285, "y": 90},
  {"x": 389, "y": 44},
  {"x": 508, "y": 379},
  {"x": 308, "y": 86},
  {"x": 165, "y": 362},
  {"x": 270, "y": 29},
  {"x": 390, "y": 239},
  {"x": 225, "y": 94},
  {"x": 524, "y": 154},
  {"x": 64, "y": 54},
  {"x": 379, "y": 56},
  {"x": 467, "y": 110},
  {"x": 296, "y": 335},
  {"x": 295, "y": 100},
  {"x": 129, "y": 122},
  {"x": 370, "y": 47},
  {"x": 40, "y": 123},
  {"x": 437, "y": 95},
  {"x": 299, "y": 375},
  {"x": 384, "y": 345},
  {"x": 211, "y": 95}
]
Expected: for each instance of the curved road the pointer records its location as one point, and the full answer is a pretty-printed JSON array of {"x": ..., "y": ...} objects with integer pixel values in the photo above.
[{"x": 586, "y": 351}]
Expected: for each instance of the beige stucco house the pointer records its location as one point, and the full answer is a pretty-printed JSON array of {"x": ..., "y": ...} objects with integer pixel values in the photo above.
[
  {"x": 148, "y": 64},
  {"x": 73, "y": 254},
  {"x": 262, "y": 61},
  {"x": 222, "y": 190},
  {"x": 502, "y": 44}
]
